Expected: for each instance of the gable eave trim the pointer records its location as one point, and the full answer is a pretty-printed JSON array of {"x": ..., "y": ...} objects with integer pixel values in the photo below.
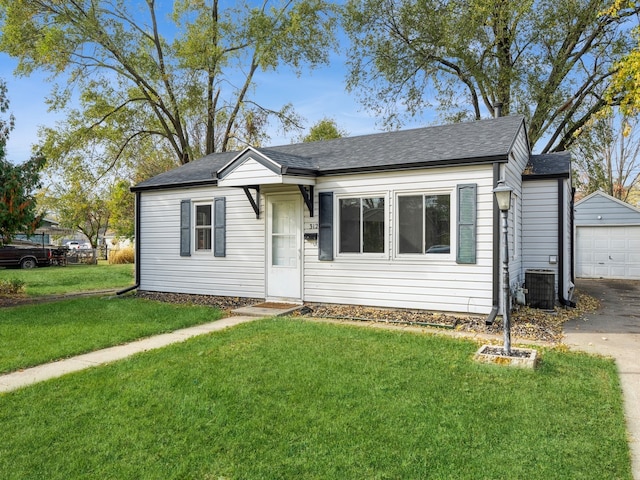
[{"x": 254, "y": 154}]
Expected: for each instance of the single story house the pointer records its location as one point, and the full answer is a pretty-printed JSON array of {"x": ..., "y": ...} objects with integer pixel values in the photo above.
[
  {"x": 403, "y": 219},
  {"x": 42, "y": 235},
  {"x": 607, "y": 238}
]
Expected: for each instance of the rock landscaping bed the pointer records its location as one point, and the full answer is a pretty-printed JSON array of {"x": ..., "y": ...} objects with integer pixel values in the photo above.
[
  {"x": 526, "y": 323},
  {"x": 223, "y": 303}
]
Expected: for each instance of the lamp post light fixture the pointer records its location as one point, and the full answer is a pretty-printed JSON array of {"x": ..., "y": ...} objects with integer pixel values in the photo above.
[{"x": 502, "y": 193}]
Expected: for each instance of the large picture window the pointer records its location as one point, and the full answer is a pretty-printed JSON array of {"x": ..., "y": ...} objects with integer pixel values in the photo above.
[
  {"x": 424, "y": 224},
  {"x": 361, "y": 225},
  {"x": 203, "y": 227}
]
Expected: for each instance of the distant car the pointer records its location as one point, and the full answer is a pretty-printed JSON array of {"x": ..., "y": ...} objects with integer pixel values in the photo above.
[
  {"x": 86, "y": 246},
  {"x": 439, "y": 249},
  {"x": 73, "y": 245}
]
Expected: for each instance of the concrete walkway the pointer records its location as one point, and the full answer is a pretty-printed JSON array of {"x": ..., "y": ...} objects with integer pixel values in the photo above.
[
  {"x": 29, "y": 376},
  {"x": 614, "y": 331}
]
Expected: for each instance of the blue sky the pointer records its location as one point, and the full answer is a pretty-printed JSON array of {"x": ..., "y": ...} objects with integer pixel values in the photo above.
[{"x": 315, "y": 95}]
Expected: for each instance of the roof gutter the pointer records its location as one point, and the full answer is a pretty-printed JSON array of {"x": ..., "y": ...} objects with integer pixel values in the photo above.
[
  {"x": 561, "y": 264},
  {"x": 168, "y": 186},
  {"x": 137, "y": 248},
  {"x": 496, "y": 252}
]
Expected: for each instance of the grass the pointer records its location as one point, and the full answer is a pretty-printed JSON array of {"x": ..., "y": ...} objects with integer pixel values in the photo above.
[
  {"x": 73, "y": 278},
  {"x": 35, "y": 334},
  {"x": 292, "y": 399}
]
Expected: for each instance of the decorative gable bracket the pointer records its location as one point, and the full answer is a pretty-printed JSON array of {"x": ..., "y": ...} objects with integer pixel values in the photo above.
[
  {"x": 307, "y": 196},
  {"x": 255, "y": 202}
]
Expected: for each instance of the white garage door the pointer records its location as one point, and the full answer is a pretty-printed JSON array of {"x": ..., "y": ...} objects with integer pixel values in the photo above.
[{"x": 608, "y": 252}]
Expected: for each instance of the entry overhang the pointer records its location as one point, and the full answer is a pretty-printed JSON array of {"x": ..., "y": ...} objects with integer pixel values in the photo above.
[{"x": 251, "y": 169}]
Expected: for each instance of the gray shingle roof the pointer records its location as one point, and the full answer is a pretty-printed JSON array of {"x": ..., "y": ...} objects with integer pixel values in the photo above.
[
  {"x": 549, "y": 165},
  {"x": 460, "y": 143}
]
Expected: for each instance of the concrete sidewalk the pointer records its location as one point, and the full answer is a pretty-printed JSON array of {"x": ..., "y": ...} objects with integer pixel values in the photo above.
[
  {"x": 614, "y": 331},
  {"x": 22, "y": 378}
]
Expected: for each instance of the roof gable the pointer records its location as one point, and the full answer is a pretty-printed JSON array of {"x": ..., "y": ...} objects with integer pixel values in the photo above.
[
  {"x": 600, "y": 208},
  {"x": 600, "y": 196},
  {"x": 252, "y": 167}
]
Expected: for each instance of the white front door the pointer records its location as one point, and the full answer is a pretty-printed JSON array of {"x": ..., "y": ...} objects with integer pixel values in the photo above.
[{"x": 284, "y": 247}]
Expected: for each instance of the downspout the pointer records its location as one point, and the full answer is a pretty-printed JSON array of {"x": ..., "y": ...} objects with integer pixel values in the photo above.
[
  {"x": 137, "y": 248},
  {"x": 573, "y": 234},
  {"x": 496, "y": 252},
  {"x": 561, "y": 268}
]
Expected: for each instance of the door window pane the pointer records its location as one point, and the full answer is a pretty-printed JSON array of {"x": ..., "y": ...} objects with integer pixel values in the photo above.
[{"x": 284, "y": 250}]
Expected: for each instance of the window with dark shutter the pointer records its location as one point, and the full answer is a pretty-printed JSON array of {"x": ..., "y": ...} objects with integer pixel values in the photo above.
[
  {"x": 424, "y": 224},
  {"x": 185, "y": 228},
  {"x": 325, "y": 226},
  {"x": 220, "y": 227},
  {"x": 466, "y": 223}
]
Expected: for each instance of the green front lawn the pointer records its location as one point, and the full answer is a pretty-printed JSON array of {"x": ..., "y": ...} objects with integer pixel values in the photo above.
[
  {"x": 34, "y": 334},
  {"x": 293, "y": 399},
  {"x": 72, "y": 278}
]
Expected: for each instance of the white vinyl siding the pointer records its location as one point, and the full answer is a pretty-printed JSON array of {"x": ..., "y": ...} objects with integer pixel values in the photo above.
[
  {"x": 433, "y": 282},
  {"x": 512, "y": 174},
  {"x": 239, "y": 273},
  {"x": 540, "y": 225}
]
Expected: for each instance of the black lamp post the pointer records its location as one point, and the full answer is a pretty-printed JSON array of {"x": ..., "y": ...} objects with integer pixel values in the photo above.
[{"x": 503, "y": 198}]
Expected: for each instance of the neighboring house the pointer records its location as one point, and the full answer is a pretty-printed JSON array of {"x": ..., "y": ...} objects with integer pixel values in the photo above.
[
  {"x": 402, "y": 219},
  {"x": 43, "y": 233},
  {"x": 607, "y": 238}
]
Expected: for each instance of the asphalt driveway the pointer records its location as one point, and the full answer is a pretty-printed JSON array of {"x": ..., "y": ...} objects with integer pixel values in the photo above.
[{"x": 614, "y": 331}]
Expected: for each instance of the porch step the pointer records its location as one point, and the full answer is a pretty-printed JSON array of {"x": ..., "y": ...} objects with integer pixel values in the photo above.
[{"x": 268, "y": 309}]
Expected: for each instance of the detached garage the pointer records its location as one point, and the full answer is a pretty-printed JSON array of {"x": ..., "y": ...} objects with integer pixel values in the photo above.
[{"x": 607, "y": 238}]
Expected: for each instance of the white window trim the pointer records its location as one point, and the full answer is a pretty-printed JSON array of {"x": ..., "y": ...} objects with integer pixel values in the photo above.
[
  {"x": 336, "y": 215},
  {"x": 195, "y": 227},
  {"x": 426, "y": 257}
]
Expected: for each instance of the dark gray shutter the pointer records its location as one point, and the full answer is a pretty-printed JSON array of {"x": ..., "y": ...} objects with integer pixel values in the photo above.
[
  {"x": 466, "y": 250},
  {"x": 185, "y": 228},
  {"x": 219, "y": 227},
  {"x": 325, "y": 226}
]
